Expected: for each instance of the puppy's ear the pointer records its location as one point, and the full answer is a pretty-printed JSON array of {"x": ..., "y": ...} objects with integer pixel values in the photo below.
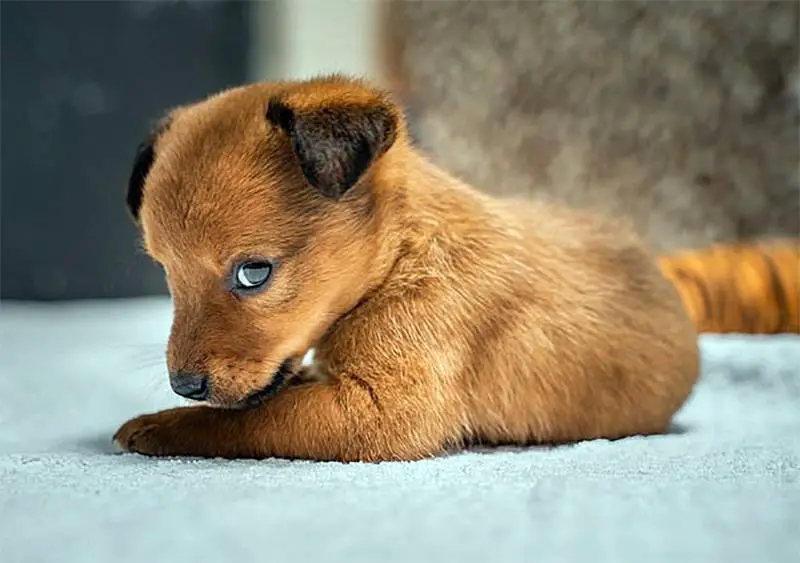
[
  {"x": 145, "y": 155},
  {"x": 335, "y": 143}
]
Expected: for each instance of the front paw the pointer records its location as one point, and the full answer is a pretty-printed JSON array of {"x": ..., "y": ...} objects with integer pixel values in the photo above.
[{"x": 151, "y": 434}]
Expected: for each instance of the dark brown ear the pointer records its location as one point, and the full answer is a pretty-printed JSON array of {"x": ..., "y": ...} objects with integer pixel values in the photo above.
[
  {"x": 145, "y": 155},
  {"x": 336, "y": 143}
]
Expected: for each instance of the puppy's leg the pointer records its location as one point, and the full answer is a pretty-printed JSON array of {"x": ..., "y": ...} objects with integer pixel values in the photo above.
[{"x": 348, "y": 419}]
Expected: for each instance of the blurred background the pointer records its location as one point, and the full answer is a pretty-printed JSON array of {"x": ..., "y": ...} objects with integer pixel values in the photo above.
[
  {"x": 680, "y": 116},
  {"x": 82, "y": 82}
]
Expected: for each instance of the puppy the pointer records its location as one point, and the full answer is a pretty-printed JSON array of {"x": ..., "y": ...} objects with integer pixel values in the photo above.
[{"x": 297, "y": 215}]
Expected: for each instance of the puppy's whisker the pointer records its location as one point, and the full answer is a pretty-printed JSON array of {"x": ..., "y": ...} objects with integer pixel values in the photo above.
[
  {"x": 148, "y": 367},
  {"x": 145, "y": 347},
  {"x": 157, "y": 386},
  {"x": 143, "y": 373},
  {"x": 153, "y": 355}
]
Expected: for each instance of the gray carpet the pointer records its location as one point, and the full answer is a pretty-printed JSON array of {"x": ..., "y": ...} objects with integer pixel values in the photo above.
[{"x": 724, "y": 487}]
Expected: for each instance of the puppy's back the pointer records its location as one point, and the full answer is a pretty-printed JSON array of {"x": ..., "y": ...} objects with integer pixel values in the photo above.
[{"x": 585, "y": 337}]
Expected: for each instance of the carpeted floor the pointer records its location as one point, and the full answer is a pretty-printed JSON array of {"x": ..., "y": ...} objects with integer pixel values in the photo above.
[{"x": 725, "y": 487}]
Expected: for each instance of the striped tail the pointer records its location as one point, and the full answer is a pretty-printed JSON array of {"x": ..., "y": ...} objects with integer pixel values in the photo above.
[{"x": 748, "y": 288}]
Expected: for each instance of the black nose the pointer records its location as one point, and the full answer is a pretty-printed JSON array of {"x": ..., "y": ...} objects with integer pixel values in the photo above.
[{"x": 190, "y": 385}]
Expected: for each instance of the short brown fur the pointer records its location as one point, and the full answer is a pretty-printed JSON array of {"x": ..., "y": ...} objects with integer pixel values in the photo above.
[{"x": 439, "y": 316}]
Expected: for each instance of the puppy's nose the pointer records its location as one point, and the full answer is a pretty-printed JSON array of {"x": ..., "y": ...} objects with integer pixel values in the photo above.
[{"x": 190, "y": 385}]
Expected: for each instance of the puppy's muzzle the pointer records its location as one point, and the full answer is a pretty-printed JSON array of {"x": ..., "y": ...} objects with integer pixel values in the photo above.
[{"x": 190, "y": 385}]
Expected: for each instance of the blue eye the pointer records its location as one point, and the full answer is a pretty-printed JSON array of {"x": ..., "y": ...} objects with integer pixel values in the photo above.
[{"x": 251, "y": 275}]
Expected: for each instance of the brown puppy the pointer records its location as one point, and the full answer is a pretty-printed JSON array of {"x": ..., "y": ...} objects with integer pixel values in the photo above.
[{"x": 296, "y": 215}]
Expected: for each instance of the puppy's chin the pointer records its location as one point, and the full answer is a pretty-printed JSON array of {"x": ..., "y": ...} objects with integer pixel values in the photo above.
[{"x": 255, "y": 398}]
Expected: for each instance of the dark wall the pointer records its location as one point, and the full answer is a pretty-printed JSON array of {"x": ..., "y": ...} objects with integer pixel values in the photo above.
[{"x": 81, "y": 84}]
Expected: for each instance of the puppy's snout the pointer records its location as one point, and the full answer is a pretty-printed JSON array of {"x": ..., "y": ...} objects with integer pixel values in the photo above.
[{"x": 190, "y": 385}]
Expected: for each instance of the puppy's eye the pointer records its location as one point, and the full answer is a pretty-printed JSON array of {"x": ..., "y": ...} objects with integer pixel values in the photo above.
[{"x": 252, "y": 275}]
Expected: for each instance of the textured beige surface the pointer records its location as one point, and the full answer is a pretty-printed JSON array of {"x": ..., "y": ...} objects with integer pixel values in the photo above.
[{"x": 682, "y": 115}]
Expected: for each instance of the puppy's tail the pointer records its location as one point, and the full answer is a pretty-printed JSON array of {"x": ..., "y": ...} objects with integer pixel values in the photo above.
[{"x": 749, "y": 288}]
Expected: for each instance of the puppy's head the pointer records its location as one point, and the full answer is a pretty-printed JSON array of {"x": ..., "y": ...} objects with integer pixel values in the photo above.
[{"x": 260, "y": 205}]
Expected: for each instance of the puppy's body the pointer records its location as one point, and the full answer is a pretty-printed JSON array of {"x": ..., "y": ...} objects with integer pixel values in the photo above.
[{"x": 439, "y": 316}]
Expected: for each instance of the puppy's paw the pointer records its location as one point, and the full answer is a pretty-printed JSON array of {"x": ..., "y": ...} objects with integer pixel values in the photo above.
[{"x": 150, "y": 434}]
